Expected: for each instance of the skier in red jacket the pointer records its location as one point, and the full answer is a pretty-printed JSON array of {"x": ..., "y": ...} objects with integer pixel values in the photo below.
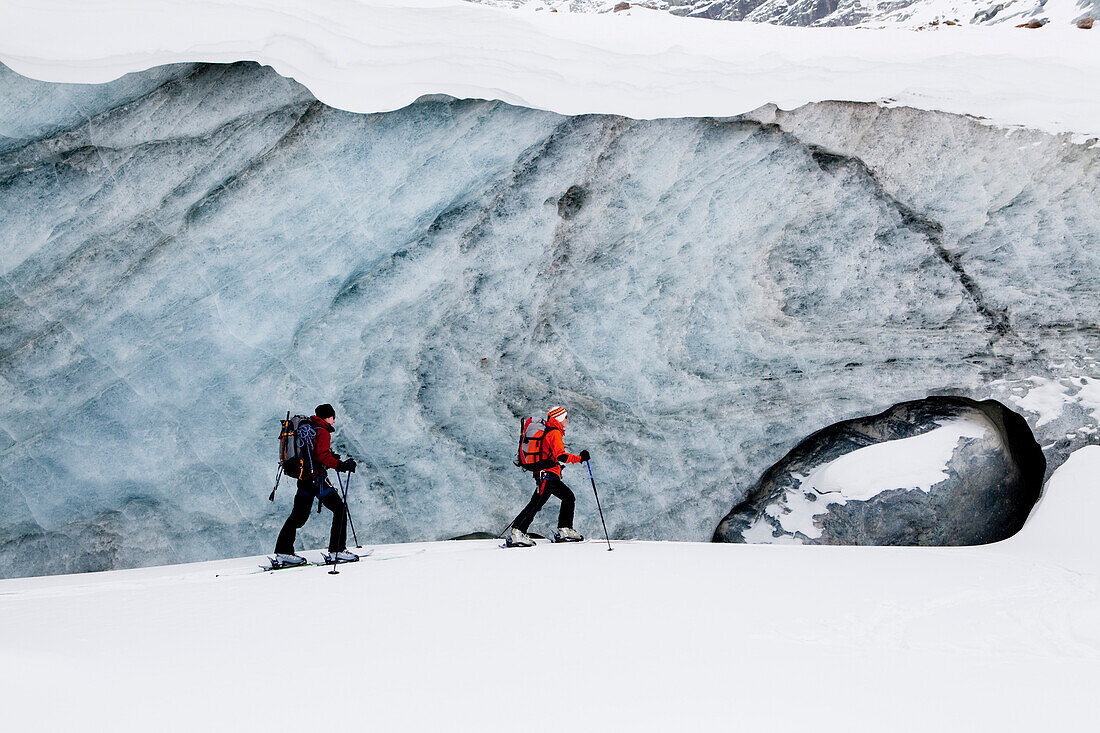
[
  {"x": 315, "y": 485},
  {"x": 548, "y": 483}
]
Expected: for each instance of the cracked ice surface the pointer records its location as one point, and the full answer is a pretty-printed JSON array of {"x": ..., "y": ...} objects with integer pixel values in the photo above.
[{"x": 211, "y": 247}]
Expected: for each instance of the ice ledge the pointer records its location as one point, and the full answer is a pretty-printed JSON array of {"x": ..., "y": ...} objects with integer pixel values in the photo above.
[{"x": 379, "y": 55}]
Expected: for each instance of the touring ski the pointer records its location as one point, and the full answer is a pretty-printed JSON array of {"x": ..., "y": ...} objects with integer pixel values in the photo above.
[
  {"x": 330, "y": 558},
  {"x": 276, "y": 565}
]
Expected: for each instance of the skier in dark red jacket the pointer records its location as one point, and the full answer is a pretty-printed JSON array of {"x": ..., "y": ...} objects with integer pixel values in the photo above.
[
  {"x": 548, "y": 483},
  {"x": 314, "y": 485}
]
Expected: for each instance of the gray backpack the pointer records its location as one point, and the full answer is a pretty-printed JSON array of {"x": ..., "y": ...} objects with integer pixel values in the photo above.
[{"x": 297, "y": 437}]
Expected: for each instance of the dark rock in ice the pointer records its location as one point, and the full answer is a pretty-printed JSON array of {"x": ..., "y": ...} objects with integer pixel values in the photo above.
[
  {"x": 938, "y": 471},
  {"x": 571, "y": 202}
]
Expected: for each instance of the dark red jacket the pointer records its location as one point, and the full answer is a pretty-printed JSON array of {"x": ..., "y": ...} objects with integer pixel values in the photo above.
[{"x": 323, "y": 445}]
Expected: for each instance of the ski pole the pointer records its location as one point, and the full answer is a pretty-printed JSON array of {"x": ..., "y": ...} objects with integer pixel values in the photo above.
[
  {"x": 589, "y": 466},
  {"x": 347, "y": 509},
  {"x": 278, "y": 476},
  {"x": 334, "y": 571}
]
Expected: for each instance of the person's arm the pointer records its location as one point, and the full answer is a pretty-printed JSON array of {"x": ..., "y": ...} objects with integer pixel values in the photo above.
[
  {"x": 557, "y": 449},
  {"x": 324, "y": 450}
]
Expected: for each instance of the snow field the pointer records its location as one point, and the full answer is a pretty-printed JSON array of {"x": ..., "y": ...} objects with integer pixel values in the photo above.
[{"x": 652, "y": 636}]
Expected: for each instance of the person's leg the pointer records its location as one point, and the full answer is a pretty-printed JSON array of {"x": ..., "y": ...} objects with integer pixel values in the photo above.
[
  {"x": 338, "y": 537},
  {"x": 303, "y": 503},
  {"x": 558, "y": 488},
  {"x": 338, "y": 534},
  {"x": 538, "y": 499}
]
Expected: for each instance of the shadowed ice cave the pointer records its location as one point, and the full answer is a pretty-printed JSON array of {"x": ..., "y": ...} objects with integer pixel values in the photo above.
[
  {"x": 937, "y": 471},
  {"x": 189, "y": 252}
]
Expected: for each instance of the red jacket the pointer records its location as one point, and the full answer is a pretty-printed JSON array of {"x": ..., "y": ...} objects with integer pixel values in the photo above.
[
  {"x": 553, "y": 446},
  {"x": 323, "y": 445}
]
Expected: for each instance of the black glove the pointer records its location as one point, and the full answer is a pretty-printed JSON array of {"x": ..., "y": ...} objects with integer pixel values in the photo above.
[
  {"x": 346, "y": 466},
  {"x": 584, "y": 455}
]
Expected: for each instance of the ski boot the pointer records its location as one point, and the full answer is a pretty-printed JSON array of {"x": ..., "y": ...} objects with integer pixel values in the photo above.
[
  {"x": 341, "y": 556},
  {"x": 519, "y": 539},
  {"x": 568, "y": 534},
  {"x": 287, "y": 561}
]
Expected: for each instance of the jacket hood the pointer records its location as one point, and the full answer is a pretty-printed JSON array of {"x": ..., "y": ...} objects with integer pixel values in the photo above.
[
  {"x": 552, "y": 422},
  {"x": 320, "y": 422}
]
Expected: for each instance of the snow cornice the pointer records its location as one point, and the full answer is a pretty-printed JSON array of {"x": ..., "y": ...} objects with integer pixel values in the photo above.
[{"x": 380, "y": 55}]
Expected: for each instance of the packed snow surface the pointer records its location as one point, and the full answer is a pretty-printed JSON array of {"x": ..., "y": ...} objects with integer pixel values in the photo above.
[
  {"x": 1048, "y": 398},
  {"x": 651, "y": 636},
  {"x": 865, "y": 473},
  {"x": 377, "y": 55}
]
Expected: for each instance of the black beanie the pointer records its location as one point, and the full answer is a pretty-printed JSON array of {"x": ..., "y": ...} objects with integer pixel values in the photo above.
[{"x": 325, "y": 411}]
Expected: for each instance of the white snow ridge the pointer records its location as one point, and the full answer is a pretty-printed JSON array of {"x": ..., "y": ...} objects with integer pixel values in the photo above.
[{"x": 377, "y": 55}]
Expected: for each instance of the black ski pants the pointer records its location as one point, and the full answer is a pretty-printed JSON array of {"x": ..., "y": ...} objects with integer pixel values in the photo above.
[
  {"x": 549, "y": 484},
  {"x": 303, "y": 505}
]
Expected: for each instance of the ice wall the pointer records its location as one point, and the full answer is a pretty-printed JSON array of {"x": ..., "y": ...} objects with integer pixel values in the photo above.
[{"x": 196, "y": 250}]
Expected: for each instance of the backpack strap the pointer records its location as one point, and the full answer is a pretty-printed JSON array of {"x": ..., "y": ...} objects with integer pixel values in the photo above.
[{"x": 552, "y": 459}]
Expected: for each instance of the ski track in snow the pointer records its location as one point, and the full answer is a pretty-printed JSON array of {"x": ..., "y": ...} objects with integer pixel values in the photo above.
[{"x": 379, "y": 55}]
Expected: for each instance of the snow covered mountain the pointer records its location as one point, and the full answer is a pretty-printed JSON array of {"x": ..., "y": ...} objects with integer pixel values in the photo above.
[{"x": 831, "y": 13}]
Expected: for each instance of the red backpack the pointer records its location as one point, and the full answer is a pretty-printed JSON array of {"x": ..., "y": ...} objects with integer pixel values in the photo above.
[{"x": 532, "y": 432}]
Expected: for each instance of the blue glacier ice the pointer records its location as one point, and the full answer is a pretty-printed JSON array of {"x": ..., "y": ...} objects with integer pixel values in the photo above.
[{"x": 190, "y": 252}]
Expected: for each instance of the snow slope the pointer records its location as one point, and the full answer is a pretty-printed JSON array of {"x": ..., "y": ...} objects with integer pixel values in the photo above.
[
  {"x": 376, "y": 55},
  {"x": 652, "y": 636}
]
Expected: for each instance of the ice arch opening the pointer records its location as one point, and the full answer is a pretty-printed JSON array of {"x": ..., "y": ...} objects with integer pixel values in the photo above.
[{"x": 937, "y": 471}]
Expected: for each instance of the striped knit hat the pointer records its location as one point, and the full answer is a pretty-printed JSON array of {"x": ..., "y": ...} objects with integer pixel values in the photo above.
[{"x": 557, "y": 413}]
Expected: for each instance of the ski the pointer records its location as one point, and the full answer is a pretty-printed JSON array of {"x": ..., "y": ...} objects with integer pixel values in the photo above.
[
  {"x": 329, "y": 558},
  {"x": 587, "y": 540},
  {"x": 551, "y": 538},
  {"x": 275, "y": 565},
  {"x": 421, "y": 551},
  {"x": 554, "y": 538}
]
